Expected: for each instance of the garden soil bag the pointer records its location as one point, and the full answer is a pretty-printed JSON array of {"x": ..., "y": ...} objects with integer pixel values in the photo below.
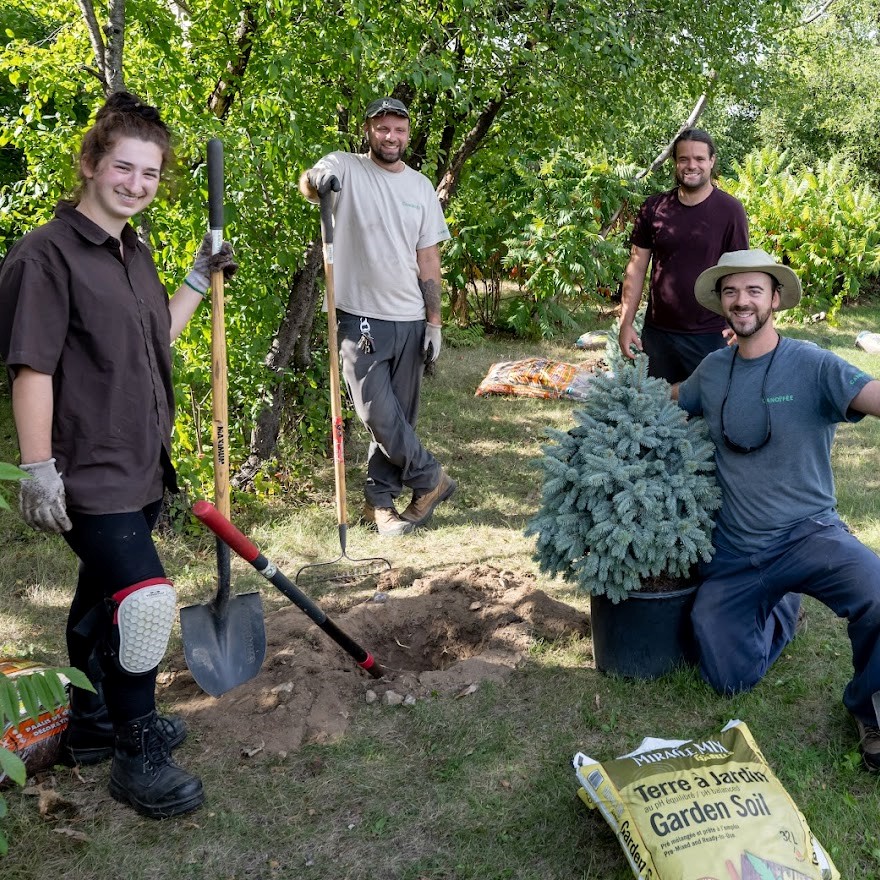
[
  {"x": 703, "y": 810},
  {"x": 38, "y": 742}
]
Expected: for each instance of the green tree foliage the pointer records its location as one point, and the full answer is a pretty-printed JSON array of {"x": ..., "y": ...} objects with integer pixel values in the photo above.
[
  {"x": 822, "y": 100},
  {"x": 11, "y": 473},
  {"x": 629, "y": 492},
  {"x": 281, "y": 83},
  {"x": 819, "y": 222}
]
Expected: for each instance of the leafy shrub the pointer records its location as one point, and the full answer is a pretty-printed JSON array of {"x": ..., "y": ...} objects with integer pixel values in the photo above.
[
  {"x": 565, "y": 255},
  {"x": 818, "y": 221},
  {"x": 629, "y": 492},
  {"x": 530, "y": 242}
]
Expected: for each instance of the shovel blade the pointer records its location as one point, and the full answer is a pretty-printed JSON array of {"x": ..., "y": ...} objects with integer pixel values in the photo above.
[{"x": 224, "y": 650}]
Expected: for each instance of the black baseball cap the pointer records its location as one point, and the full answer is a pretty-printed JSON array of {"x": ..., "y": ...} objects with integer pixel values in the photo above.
[{"x": 386, "y": 105}]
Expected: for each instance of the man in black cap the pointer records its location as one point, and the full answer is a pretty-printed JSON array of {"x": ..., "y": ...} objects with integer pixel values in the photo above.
[{"x": 388, "y": 225}]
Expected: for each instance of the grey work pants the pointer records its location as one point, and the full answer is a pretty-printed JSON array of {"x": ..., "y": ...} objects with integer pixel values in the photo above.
[{"x": 384, "y": 387}]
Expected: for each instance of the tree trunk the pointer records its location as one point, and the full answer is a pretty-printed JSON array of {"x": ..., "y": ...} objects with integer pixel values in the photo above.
[
  {"x": 291, "y": 344},
  {"x": 449, "y": 182},
  {"x": 224, "y": 91},
  {"x": 107, "y": 43}
]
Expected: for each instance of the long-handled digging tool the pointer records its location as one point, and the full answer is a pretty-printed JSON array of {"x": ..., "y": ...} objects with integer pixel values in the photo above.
[
  {"x": 228, "y": 533},
  {"x": 224, "y": 641},
  {"x": 343, "y": 569}
]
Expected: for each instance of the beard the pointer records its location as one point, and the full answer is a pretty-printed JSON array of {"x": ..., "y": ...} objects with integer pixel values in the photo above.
[
  {"x": 756, "y": 320},
  {"x": 693, "y": 183},
  {"x": 383, "y": 153},
  {"x": 387, "y": 155}
]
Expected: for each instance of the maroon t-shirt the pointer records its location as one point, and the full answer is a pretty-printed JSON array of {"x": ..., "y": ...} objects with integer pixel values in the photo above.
[
  {"x": 100, "y": 326},
  {"x": 684, "y": 240}
]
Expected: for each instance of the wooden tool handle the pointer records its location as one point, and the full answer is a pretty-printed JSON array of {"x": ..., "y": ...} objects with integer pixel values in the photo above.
[{"x": 219, "y": 381}]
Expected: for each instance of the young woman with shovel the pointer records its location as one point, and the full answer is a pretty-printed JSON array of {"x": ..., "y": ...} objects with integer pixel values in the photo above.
[{"x": 85, "y": 332}]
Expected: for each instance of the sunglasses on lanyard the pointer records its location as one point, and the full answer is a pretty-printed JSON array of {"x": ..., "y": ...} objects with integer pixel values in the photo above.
[{"x": 730, "y": 444}]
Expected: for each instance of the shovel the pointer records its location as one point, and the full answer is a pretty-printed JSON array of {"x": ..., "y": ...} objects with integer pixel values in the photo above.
[
  {"x": 247, "y": 550},
  {"x": 224, "y": 641}
]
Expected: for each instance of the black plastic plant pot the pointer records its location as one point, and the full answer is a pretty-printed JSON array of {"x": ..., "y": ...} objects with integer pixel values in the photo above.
[{"x": 647, "y": 635}]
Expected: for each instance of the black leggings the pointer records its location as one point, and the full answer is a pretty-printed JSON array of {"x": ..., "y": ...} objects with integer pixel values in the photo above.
[{"x": 115, "y": 550}]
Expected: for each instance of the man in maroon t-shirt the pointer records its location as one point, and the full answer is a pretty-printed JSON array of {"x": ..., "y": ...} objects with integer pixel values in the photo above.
[{"x": 680, "y": 233}]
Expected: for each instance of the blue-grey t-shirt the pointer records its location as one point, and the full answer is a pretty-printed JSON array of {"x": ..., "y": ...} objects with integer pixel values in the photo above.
[{"x": 769, "y": 491}]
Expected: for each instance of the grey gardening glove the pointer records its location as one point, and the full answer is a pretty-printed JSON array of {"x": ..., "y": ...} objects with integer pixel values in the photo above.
[
  {"x": 41, "y": 498},
  {"x": 199, "y": 277},
  {"x": 324, "y": 181}
]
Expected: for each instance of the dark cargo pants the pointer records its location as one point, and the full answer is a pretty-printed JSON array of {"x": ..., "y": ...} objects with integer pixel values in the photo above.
[{"x": 385, "y": 386}]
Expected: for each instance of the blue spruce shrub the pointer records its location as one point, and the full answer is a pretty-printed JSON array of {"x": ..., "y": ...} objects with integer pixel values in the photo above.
[{"x": 629, "y": 492}]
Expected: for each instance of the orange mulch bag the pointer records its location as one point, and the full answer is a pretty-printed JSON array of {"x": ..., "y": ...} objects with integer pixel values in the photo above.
[
  {"x": 537, "y": 377},
  {"x": 37, "y": 743},
  {"x": 703, "y": 810}
]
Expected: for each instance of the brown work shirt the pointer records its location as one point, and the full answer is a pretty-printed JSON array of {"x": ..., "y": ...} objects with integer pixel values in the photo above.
[{"x": 71, "y": 306}]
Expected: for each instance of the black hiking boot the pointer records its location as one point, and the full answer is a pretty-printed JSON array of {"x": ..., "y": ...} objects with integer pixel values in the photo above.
[
  {"x": 144, "y": 775},
  {"x": 89, "y": 737}
]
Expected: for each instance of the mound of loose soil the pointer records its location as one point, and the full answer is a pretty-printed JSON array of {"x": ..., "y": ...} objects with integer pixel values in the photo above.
[{"x": 444, "y": 633}]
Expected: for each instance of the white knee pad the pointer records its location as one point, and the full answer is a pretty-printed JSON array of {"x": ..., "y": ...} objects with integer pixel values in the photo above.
[{"x": 143, "y": 617}]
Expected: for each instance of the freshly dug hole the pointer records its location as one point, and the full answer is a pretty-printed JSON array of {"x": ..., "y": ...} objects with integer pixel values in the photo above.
[{"x": 441, "y": 634}]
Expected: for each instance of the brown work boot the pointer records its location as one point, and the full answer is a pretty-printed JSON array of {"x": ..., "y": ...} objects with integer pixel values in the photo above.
[
  {"x": 869, "y": 744},
  {"x": 422, "y": 506},
  {"x": 368, "y": 514},
  {"x": 389, "y": 523}
]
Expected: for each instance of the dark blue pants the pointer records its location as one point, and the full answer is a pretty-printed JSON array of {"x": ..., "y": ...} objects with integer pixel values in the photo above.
[
  {"x": 115, "y": 550},
  {"x": 385, "y": 387},
  {"x": 744, "y": 613}
]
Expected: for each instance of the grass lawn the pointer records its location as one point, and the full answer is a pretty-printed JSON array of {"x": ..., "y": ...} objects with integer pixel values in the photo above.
[{"x": 451, "y": 789}]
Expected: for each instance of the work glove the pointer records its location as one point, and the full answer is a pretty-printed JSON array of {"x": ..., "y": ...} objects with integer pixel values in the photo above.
[
  {"x": 431, "y": 342},
  {"x": 41, "y": 498},
  {"x": 431, "y": 348},
  {"x": 199, "y": 277},
  {"x": 324, "y": 181}
]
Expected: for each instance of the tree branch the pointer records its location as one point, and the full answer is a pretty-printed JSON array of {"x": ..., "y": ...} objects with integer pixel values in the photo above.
[
  {"x": 115, "y": 33},
  {"x": 97, "y": 41},
  {"x": 449, "y": 182},
  {"x": 224, "y": 92}
]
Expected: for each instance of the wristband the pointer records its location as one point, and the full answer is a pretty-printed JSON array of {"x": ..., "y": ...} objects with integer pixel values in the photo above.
[{"x": 195, "y": 278}]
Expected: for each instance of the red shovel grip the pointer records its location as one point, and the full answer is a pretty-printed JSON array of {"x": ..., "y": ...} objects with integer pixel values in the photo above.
[{"x": 225, "y": 530}]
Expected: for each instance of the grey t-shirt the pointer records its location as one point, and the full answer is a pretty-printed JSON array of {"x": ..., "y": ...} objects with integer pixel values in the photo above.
[
  {"x": 769, "y": 491},
  {"x": 381, "y": 218}
]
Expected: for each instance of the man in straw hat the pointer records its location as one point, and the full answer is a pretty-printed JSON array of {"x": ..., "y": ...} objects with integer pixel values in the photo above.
[{"x": 772, "y": 406}]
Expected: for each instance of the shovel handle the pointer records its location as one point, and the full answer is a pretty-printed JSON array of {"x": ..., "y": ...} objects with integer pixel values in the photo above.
[
  {"x": 247, "y": 550},
  {"x": 225, "y": 530}
]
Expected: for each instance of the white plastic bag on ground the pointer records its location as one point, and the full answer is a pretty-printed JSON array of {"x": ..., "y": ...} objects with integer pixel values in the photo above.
[
  {"x": 869, "y": 342},
  {"x": 703, "y": 810}
]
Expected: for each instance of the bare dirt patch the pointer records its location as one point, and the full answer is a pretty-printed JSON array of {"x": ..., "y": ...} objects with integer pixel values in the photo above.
[{"x": 444, "y": 633}]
